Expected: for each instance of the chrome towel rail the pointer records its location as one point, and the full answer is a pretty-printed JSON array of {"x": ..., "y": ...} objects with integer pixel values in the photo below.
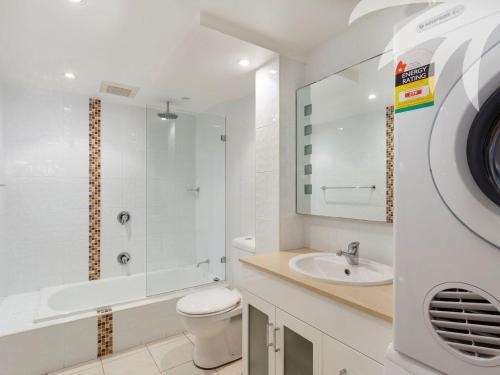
[{"x": 372, "y": 187}]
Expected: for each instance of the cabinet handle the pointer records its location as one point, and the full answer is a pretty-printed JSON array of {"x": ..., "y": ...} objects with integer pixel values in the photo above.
[
  {"x": 343, "y": 372},
  {"x": 269, "y": 326},
  {"x": 276, "y": 349}
]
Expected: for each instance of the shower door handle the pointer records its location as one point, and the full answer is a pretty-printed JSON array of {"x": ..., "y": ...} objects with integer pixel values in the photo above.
[{"x": 197, "y": 189}]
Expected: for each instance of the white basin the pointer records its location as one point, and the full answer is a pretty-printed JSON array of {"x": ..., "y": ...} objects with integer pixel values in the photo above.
[{"x": 333, "y": 268}]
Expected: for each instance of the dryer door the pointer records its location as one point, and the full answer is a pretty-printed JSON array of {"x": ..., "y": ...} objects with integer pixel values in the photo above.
[{"x": 464, "y": 151}]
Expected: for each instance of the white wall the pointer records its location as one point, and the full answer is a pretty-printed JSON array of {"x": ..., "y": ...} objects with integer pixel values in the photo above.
[
  {"x": 123, "y": 187},
  {"x": 240, "y": 176},
  {"x": 46, "y": 171},
  {"x": 364, "y": 39},
  {"x": 3, "y": 286},
  {"x": 267, "y": 158},
  {"x": 291, "y": 75},
  {"x": 46, "y": 203}
]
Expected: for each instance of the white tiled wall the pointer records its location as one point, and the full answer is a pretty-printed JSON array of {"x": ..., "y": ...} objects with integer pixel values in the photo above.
[
  {"x": 45, "y": 143},
  {"x": 291, "y": 224},
  {"x": 267, "y": 130},
  {"x": 3, "y": 286},
  {"x": 123, "y": 186},
  {"x": 278, "y": 227}
]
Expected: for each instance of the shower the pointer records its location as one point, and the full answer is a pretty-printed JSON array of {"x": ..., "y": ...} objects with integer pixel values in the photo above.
[{"x": 167, "y": 115}]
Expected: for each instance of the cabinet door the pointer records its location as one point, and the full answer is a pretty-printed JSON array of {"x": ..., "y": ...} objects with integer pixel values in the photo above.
[
  {"x": 298, "y": 346},
  {"x": 258, "y": 336},
  {"x": 339, "y": 359}
]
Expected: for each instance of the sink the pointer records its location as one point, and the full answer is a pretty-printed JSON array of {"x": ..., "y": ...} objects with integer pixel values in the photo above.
[{"x": 333, "y": 268}]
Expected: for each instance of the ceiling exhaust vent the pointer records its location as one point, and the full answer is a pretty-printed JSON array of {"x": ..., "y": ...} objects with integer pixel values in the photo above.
[
  {"x": 118, "y": 89},
  {"x": 466, "y": 321}
]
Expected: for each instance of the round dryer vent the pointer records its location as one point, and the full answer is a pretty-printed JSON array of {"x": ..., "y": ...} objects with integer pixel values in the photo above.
[{"x": 466, "y": 322}]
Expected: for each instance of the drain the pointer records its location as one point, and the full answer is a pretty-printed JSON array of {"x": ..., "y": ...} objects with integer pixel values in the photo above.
[{"x": 347, "y": 271}]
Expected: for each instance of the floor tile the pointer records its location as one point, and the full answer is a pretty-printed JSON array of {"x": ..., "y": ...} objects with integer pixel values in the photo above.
[
  {"x": 88, "y": 368},
  {"x": 235, "y": 368},
  {"x": 132, "y": 362},
  {"x": 190, "y": 337},
  {"x": 189, "y": 369},
  {"x": 171, "y": 352}
]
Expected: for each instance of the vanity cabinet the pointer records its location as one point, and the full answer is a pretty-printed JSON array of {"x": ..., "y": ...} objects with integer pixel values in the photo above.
[
  {"x": 275, "y": 342},
  {"x": 289, "y": 330},
  {"x": 259, "y": 319},
  {"x": 339, "y": 359}
]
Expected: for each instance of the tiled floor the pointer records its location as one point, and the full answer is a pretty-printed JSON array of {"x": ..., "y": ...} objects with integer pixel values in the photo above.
[{"x": 172, "y": 356}]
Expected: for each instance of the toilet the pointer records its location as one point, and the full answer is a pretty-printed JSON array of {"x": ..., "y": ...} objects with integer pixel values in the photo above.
[{"x": 213, "y": 318}]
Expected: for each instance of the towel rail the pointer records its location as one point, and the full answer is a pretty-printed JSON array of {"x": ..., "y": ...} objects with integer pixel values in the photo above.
[{"x": 372, "y": 187}]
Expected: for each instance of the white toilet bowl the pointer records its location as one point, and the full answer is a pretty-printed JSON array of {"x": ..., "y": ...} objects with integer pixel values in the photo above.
[{"x": 213, "y": 318}]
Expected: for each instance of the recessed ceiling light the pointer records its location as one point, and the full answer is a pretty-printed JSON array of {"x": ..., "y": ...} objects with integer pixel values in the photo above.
[
  {"x": 372, "y": 96},
  {"x": 76, "y": 1},
  {"x": 70, "y": 75},
  {"x": 244, "y": 62}
]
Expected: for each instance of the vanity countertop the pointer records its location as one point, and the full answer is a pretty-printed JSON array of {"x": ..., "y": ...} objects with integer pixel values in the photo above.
[{"x": 374, "y": 300}]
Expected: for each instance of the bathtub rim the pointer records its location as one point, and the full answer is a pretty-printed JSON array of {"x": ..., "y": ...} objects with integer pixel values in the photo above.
[{"x": 147, "y": 300}]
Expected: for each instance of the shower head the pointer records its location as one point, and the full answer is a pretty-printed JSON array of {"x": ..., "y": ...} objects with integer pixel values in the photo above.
[{"x": 167, "y": 115}]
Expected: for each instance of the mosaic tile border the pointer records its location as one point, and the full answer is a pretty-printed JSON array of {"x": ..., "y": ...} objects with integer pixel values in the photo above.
[
  {"x": 104, "y": 331},
  {"x": 389, "y": 138},
  {"x": 94, "y": 189}
]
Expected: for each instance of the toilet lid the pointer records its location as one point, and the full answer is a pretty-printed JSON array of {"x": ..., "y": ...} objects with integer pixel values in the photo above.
[{"x": 208, "y": 301}]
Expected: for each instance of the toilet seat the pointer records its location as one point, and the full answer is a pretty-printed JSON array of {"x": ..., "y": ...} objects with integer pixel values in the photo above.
[{"x": 209, "y": 302}]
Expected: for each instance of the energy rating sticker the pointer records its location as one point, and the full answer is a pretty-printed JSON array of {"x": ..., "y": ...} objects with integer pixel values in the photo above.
[{"x": 414, "y": 87}]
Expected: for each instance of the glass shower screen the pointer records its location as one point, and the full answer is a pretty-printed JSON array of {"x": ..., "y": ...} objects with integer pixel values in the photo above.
[{"x": 185, "y": 201}]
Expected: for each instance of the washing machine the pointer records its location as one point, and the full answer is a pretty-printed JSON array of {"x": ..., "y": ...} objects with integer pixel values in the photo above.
[{"x": 447, "y": 192}]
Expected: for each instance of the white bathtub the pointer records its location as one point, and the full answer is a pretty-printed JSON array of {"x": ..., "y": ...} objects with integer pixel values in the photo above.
[
  {"x": 66, "y": 318},
  {"x": 72, "y": 299}
]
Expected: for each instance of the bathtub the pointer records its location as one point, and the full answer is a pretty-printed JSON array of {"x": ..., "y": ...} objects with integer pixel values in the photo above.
[
  {"x": 78, "y": 298},
  {"x": 62, "y": 322}
]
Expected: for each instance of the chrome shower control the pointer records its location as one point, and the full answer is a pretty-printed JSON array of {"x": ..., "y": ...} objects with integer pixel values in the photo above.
[
  {"x": 123, "y": 217},
  {"x": 123, "y": 258}
]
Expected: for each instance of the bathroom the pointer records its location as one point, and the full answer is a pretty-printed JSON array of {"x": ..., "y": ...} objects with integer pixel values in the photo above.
[{"x": 217, "y": 187}]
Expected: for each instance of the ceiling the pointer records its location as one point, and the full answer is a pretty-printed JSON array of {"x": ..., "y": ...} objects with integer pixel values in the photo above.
[{"x": 168, "y": 48}]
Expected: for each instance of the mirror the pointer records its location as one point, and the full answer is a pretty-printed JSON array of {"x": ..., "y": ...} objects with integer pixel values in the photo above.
[{"x": 345, "y": 144}]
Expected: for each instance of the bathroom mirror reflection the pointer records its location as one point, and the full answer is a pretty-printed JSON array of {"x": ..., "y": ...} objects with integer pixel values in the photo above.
[{"x": 345, "y": 144}]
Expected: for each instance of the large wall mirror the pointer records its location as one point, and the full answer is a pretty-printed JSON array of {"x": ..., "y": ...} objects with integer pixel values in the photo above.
[{"x": 345, "y": 144}]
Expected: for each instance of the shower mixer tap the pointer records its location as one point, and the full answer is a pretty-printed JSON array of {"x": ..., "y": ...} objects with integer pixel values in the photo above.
[
  {"x": 123, "y": 258},
  {"x": 123, "y": 217}
]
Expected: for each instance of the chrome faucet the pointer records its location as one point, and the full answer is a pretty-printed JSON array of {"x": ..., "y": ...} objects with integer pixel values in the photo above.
[
  {"x": 352, "y": 253},
  {"x": 207, "y": 261}
]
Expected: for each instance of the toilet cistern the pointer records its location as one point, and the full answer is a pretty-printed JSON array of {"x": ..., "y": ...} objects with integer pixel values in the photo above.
[{"x": 352, "y": 253}]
